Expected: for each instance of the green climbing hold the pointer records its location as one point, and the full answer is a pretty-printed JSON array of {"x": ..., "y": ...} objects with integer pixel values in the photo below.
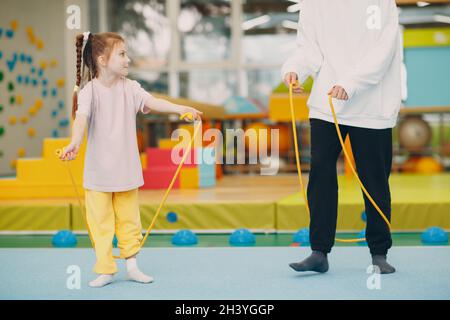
[
  {"x": 1, "y": 76},
  {"x": 1, "y": 108},
  {"x": 11, "y": 86},
  {"x": 2, "y": 131},
  {"x": 12, "y": 100}
]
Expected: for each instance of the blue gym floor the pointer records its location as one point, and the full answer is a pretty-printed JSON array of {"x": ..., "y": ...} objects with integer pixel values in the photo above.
[{"x": 228, "y": 273}]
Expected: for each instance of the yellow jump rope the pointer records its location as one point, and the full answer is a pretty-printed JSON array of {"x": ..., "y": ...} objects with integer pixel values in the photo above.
[
  {"x": 189, "y": 116},
  {"x": 299, "y": 170}
]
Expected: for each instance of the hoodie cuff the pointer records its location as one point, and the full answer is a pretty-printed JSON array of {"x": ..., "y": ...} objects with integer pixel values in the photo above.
[{"x": 286, "y": 69}]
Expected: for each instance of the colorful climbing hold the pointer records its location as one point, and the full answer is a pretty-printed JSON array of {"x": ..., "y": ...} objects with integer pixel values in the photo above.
[
  {"x": 32, "y": 111},
  {"x": 12, "y": 120},
  {"x": 14, "y": 25},
  {"x": 31, "y": 132},
  {"x": 13, "y": 164},
  {"x": 38, "y": 104},
  {"x": 21, "y": 152}
]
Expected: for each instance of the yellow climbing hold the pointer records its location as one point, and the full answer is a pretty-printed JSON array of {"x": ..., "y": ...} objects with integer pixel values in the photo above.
[
  {"x": 24, "y": 119},
  {"x": 19, "y": 99},
  {"x": 32, "y": 111},
  {"x": 39, "y": 44},
  {"x": 31, "y": 132},
  {"x": 30, "y": 34},
  {"x": 38, "y": 104},
  {"x": 60, "y": 83},
  {"x": 43, "y": 64},
  {"x": 12, "y": 120},
  {"x": 14, "y": 25},
  {"x": 21, "y": 152},
  {"x": 13, "y": 163}
]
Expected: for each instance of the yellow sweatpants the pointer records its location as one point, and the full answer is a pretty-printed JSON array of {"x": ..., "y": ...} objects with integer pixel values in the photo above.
[{"x": 110, "y": 213}]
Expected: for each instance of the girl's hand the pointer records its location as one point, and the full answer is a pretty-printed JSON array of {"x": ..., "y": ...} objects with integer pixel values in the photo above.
[
  {"x": 338, "y": 92},
  {"x": 195, "y": 113},
  {"x": 291, "y": 78},
  {"x": 70, "y": 152}
]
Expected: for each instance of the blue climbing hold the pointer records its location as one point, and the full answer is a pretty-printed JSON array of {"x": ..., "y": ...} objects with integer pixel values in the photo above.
[
  {"x": 33, "y": 70},
  {"x": 34, "y": 82},
  {"x": 40, "y": 72},
  {"x": 9, "y": 33},
  {"x": 54, "y": 113},
  {"x": 55, "y": 133},
  {"x": 361, "y": 235},
  {"x": 64, "y": 239},
  {"x": 172, "y": 217},
  {"x": 61, "y": 104},
  {"x": 242, "y": 237},
  {"x": 44, "y": 93},
  {"x": 184, "y": 237},
  {"x": 1, "y": 54},
  {"x": 64, "y": 122},
  {"x": 115, "y": 241},
  {"x": 30, "y": 59},
  {"x": 434, "y": 235},
  {"x": 364, "y": 216},
  {"x": 11, "y": 64},
  {"x": 44, "y": 82},
  {"x": 54, "y": 92},
  {"x": 27, "y": 80},
  {"x": 23, "y": 57},
  {"x": 301, "y": 236},
  {"x": 19, "y": 79}
]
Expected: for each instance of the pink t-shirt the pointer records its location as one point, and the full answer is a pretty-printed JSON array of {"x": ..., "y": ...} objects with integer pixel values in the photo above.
[{"x": 112, "y": 161}]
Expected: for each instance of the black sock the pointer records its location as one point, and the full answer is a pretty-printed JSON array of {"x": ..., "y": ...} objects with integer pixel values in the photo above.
[
  {"x": 317, "y": 262},
  {"x": 381, "y": 263}
]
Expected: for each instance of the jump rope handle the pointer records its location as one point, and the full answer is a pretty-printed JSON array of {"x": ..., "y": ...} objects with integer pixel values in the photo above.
[
  {"x": 58, "y": 152},
  {"x": 188, "y": 116}
]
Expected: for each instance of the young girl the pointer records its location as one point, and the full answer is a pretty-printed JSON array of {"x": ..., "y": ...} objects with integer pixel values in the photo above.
[{"x": 107, "y": 105}]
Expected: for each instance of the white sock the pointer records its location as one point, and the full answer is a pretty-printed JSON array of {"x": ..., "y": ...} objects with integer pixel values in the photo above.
[
  {"x": 135, "y": 274},
  {"x": 102, "y": 280}
]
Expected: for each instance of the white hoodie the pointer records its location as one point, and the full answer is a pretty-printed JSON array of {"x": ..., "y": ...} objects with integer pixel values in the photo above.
[{"x": 355, "y": 44}]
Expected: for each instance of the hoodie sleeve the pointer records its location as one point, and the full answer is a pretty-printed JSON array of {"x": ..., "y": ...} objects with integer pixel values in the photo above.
[
  {"x": 307, "y": 58},
  {"x": 371, "y": 69}
]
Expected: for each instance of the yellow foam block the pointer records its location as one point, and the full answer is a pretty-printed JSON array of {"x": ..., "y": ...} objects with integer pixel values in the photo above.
[
  {"x": 170, "y": 144},
  {"x": 189, "y": 178},
  {"x": 51, "y": 144},
  {"x": 143, "y": 160},
  {"x": 45, "y": 177},
  {"x": 36, "y": 217},
  {"x": 48, "y": 171},
  {"x": 279, "y": 109},
  {"x": 15, "y": 189}
]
